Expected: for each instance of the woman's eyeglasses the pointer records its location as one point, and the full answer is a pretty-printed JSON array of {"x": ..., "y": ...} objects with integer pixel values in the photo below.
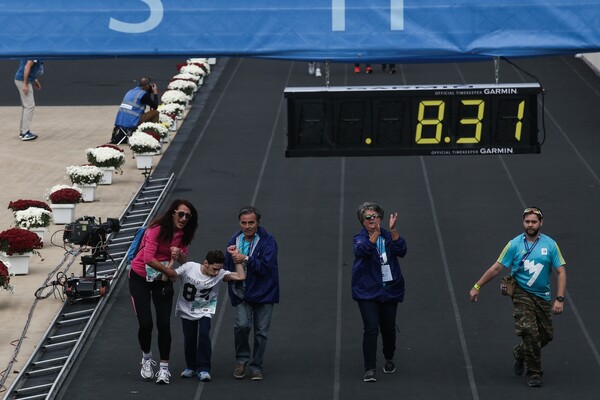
[
  {"x": 372, "y": 216},
  {"x": 182, "y": 214}
]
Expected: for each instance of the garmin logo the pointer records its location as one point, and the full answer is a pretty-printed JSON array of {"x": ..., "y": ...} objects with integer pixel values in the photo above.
[
  {"x": 501, "y": 91},
  {"x": 496, "y": 150}
]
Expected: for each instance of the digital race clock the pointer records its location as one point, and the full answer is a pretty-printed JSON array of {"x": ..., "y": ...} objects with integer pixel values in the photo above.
[{"x": 406, "y": 120}]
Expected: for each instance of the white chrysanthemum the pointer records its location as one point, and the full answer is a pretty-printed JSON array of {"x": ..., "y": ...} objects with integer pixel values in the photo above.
[
  {"x": 141, "y": 142},
  {"x": 159, "y": 129},
  {"x": 165, "y": 119},
  {"x": 174, "y": 96},
  {"x": 192, "y": 69},
  {"x": 171, "y": 108},
  {"x": 186, "y": 87},
  {"x": 84, "y": 174},
  {"x": 201, "y": 62},
  {"x": 105, "y": 157},
  {"x": 33, "y": 217},
  {"x": 188, "y": 77}
]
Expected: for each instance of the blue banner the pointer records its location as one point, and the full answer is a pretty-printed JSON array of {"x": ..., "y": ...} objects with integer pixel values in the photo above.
[{"x": 335, "y": 30}]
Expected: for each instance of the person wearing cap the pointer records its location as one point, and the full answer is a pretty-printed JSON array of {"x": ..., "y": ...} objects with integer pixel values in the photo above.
[
  {"x": 530, "y": 258},
  {"x": 132, "y": 111},
  {"x": 377, "y": 284}
]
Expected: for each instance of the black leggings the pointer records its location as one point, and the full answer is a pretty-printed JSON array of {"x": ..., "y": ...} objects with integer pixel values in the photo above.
[{"x": 161, "y": 294}]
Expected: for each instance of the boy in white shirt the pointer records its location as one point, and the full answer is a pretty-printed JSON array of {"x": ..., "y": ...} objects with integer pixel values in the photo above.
[{"x": 197, "y": 303}]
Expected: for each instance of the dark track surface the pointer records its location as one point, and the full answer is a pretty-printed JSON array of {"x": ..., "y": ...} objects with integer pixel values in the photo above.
[{"x": 455, "y": 212}]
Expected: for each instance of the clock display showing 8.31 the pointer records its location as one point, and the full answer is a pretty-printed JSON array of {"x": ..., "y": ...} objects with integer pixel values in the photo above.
[{"x": 413, "y": 120}]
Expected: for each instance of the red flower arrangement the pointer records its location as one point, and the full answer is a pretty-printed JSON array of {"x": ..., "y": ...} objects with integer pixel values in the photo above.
[
  {"x": 65, "y": 196},
  {"x": 20, "y": 205},
  {"x": 153, "y": 134},
  {"x": 19, "y": 241},
  {"x": 5, "y": 274}
]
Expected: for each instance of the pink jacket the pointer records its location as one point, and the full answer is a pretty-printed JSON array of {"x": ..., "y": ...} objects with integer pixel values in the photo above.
[{"x": 150, "y": 248}]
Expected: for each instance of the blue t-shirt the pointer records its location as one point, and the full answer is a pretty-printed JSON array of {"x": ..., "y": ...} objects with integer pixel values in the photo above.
[
  {"x": 531, "y": 263},
  {"x": 36, "y": 69}
]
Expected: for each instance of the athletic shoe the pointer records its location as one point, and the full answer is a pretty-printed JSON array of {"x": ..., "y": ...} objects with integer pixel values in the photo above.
[
  {"x": 534, "y": 381},
  {"x": 356, "y": 69},
  {"x": 392, "y": 70},
  {"x": 370, "y": 376},
  {"x": 369, "y": 70},
  {"x": 239, "y": 371},
  {"x": 147, "y": 372},
  {"x": 318, "y": 72},
  {"x": 389, "y": 367},
  {"x": 28, "y": 136},
  {"x": 311, "y": 68},
  {"x": 162, "y": 376},
  {"x": 204, "y": 376},
  {"x": 188, "y": 373},
  {"x": 256, "y": 375}
]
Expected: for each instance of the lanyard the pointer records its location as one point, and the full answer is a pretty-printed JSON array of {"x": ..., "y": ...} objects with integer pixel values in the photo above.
[{"x": 529, "y": 249}]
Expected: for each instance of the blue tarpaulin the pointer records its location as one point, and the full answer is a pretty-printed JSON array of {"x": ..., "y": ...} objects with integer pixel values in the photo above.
[{"x": 335, "y": 30}]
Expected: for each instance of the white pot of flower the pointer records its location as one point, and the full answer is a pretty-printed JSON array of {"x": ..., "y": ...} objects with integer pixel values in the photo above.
[
  {"x": 107, "y": 176},
  {"x": 16, "y": 247},
  {"x": 167, "y": 121},
  {"x": 145, "y": 147},
  {"x": 188, "y": 88},
  {"x": 88, "y": 192},
  {"x": 144, "y": 160},
  {"x": 175, "y": 110},
  {"x": 86, "y": 178},
  {"x": 63, "y": 200},
  {"x": 108, "y": 158},
  {"x": 19, "y": 262}
]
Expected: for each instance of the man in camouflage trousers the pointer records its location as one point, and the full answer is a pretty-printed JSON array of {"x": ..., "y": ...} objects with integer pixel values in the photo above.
[{"x": 530, "y": 257}]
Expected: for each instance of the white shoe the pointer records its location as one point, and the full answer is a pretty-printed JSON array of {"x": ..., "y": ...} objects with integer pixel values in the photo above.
[
  {"x": 311, "y": 68},
  {"x": 162, "y": 376},
  {"x": 147, "y": 372},
  {"x": 318, "y": 72}
]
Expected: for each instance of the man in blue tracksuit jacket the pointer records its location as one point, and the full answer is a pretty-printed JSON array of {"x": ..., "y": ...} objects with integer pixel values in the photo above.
[{"x": 253, "y": 298}]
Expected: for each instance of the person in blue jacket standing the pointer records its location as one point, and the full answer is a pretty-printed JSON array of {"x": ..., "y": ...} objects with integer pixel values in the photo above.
[
  {"x": 255, "y": 297},
  {"x": 377, "y": 284},
  {"x": 26, "y": 80}
]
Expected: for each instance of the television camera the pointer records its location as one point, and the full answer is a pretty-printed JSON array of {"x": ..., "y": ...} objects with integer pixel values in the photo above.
[{"x": 92, "y": 232}]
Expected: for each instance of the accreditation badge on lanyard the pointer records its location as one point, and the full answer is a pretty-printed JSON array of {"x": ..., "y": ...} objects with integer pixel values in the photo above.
[{"x": 386, "y": 272}]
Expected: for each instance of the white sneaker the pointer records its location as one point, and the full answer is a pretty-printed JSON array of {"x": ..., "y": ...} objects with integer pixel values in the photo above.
[
  {"x": 318, "y": 72},
  {"x": 147, "y": 372},
  {"x": 162, "y": 376},
  {"x": 311, "y": 68}
]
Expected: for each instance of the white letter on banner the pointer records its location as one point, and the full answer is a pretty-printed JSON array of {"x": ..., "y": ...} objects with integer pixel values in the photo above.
[
  {"x": 338, "y": 15},
  {"x": 155, "y": 18}
]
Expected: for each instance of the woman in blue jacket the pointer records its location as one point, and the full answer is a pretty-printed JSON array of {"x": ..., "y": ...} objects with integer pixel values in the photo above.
[{"x": 377, "y": 284}]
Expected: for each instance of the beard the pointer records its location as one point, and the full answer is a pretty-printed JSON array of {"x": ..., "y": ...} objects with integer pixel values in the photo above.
[{"x": 531, "y": 232}]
